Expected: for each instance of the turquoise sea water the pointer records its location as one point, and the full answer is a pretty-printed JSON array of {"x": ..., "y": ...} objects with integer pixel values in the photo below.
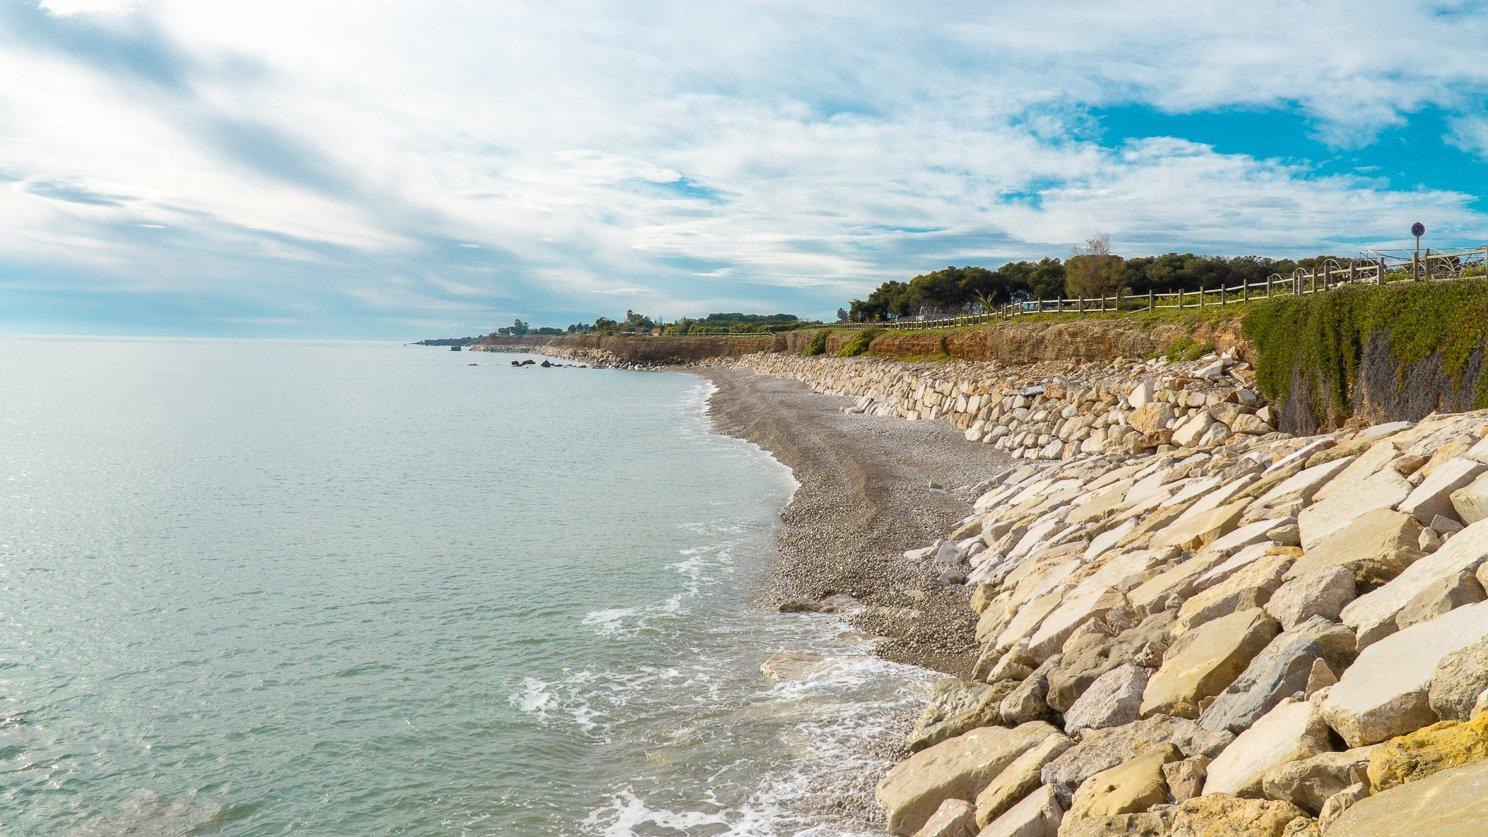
[{"x": 336, "y": 588}]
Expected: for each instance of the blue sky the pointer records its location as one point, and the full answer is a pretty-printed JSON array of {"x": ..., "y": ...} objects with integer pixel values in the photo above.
[{"x": 400, "y": 170}]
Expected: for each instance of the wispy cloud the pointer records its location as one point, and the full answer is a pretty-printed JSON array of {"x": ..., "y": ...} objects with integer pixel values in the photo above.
[{"x": 558, "y": 160}]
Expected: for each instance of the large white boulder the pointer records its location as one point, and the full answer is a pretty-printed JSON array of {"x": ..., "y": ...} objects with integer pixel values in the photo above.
[
  {"x": 1325, "y": 517},
  {"x": 1293, "y": 730},
  {"x": 1372, "y": 615},
  {"x": 955, "y": 769},
  {"x": 1386, "y": 691}
]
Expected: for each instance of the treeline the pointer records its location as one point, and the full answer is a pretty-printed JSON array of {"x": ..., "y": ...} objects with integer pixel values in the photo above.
[
  {"x": 973, "y": 290},
  {"x": 637, "y": 323}
]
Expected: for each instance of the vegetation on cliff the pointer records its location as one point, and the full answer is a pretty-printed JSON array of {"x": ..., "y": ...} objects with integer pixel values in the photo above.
[{"x": 1320, "y": 341}]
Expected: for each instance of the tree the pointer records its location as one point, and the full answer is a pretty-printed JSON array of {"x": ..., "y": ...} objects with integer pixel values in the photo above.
[{"x": 1093, "y": 270}]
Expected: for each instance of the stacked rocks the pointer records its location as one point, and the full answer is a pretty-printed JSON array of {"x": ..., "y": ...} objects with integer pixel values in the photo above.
[
  {"x": 1049, "y": 412},
  {"x": 1270, "y": 636}
]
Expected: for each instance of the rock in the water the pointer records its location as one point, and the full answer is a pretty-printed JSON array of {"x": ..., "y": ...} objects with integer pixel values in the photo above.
[
  {"x": 1114, "y": 699},
  {"x": 1416, "y": 755},
  {"x": 1452, "y": 802},
  {"x": 1018, "y": 779},
  {"x": 1385, "y": 692},
  {"x": 1203, "y": 661},
  {"x": 793, "y": 665},
  {"x": 1222, "y": 815},
  {"x": 1323, "y": 593},
  {"x": 1309, "y": 783},
  {"x": 1280, "y": 670},
  {"x": 1036, "y": 815},
  {"x": 1460, "y": 678},
  {"x": 954, "y": 769},
  {"x": 954, "y": 818},
  {"x": 1128, "y": 788},
  {"x": 956, "y": 706},
  {"x": 1293, "y": 730}
]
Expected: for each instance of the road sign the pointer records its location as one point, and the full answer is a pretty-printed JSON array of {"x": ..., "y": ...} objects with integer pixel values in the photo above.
[{"x": 1418, "y": 229}]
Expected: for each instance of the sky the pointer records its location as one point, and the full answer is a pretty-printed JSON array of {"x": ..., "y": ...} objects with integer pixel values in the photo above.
[{"x": 398, "y": 170}]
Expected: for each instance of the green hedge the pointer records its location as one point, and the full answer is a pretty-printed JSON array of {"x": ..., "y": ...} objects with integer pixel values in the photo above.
[
  {"x": 1324, "y": 335},
  {"x": 860, "y": 342}
]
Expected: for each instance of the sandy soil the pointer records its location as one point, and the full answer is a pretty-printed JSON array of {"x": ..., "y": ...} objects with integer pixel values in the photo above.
[{"x": 864, "y": 499}]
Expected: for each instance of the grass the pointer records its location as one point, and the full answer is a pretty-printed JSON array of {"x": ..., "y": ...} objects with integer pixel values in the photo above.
[
  {"x": 860, "y": 342},
  {"x": 1323, "y": 337},
  {"x": 1184, "y": 349}
]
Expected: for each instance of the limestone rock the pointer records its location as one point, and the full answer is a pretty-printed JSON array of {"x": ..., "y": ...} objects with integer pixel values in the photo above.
[
  {"x": 1416, "y": 755},
  {"x": 1280, "y": 670},
  {"x": 1376, "y": 546},
  {"x": 1151, "y": 418},
  {"x": 1340, "y": 802},
  {"x": 1310, "y": 782},
  {"x": 1326, "y": 517},
  {"x": 1090, "y": 654},
  {"x": 1130, "y": 787},
  {"x": 1193, "y": 532},
  {"x": 1470, "y": 502},
  {"x": 1322, "y": 593},
  {"x": 1205, "y": 660},
  {"x": 1293, "y": 730},
  {"x": 1446, "y": 593},
  {"x": 1452, "y": 802},
  {"x": 1103, "y": 748},
  {"x": 956, "y": 706},
  {"x": 1251, "y": 587},
  {"x": 1029, "y": 700},
  {"x": 1222, "y": 815},
  {"x": 1385, "y": 692},
  {"x": 953, "y": 769},
  {"x": 954, "y": 818},
  {"x": 1114, "y": 699},
  {"x": 1036, "y": 815},
  {"x": 1372, "y": 615},
  {"x": 1459, "y": 680},
  {"x": 1019, "y": 778},
  {"x": 1434, "y": 495},
  {"x": 1186, "y": 778}
]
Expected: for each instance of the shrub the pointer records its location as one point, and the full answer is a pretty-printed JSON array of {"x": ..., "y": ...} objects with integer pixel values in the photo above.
[
  {"x": 860, "y": 342},
  {"x": 818, "y": 344}
]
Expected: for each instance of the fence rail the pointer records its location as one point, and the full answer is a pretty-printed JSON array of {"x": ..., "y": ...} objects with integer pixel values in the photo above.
[{"x": 1331, "y": 274}]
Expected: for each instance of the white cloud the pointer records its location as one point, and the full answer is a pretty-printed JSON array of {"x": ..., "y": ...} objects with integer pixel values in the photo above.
[
  {"x": 68, "y": 8},
  {"x": 559, "y": 155}
]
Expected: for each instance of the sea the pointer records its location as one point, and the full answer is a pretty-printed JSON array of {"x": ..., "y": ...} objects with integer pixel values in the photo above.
[{"x": 252, "y": 587}]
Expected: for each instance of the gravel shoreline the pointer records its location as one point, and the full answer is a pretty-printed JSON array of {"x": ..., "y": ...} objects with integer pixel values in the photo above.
[{"x": 864, "y": 499}]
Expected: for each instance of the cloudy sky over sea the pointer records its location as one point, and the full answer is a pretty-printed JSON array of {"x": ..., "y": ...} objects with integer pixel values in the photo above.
[{"x": 410, "y": 169}]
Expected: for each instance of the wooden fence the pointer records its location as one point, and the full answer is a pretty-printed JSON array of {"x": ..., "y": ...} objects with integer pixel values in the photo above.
[{"x": 1327, "y": 276}]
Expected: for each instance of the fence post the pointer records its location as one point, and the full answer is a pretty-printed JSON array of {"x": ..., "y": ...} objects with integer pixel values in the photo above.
[
  {"x": 1379, "y": 279},
  {"x": 1151, "y": 301},
  {"x": 1201, "y": 294},
  {"x": 1245, "y": 291},
  {"x": 1351, "y": 273},
  {"x": 1040, "y": 302},
  {"x": 1118, "y": 300},
  {"x": 1079, "y": 305},
  {"x": 1268, "y": 287}
]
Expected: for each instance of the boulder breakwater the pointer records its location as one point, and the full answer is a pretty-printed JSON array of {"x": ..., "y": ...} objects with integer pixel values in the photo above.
[{"x": 1190, "y": 623}]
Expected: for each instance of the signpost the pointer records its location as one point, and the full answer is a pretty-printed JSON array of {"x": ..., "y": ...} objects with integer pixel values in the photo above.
[{"x": 1418, "y": 229}]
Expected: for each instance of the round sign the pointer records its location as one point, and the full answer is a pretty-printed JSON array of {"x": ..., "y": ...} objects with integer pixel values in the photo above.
[{"x": 1418, "y": 229}]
